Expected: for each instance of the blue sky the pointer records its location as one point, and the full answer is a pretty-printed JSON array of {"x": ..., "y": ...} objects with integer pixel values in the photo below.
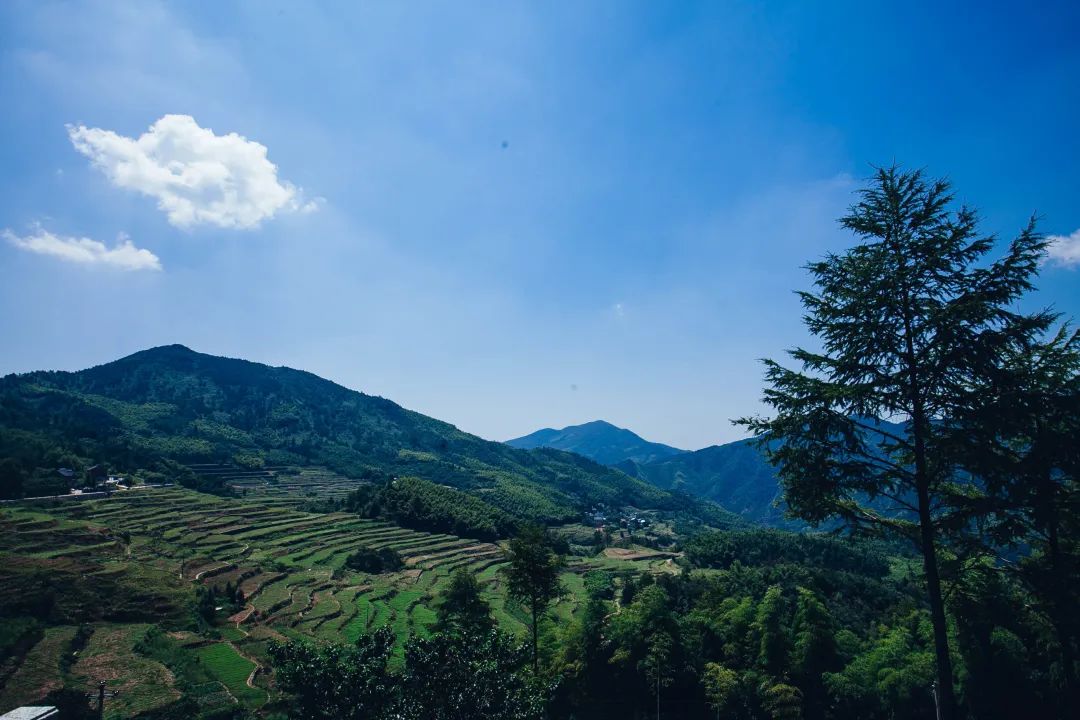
[{"x": 504, "y": 215}]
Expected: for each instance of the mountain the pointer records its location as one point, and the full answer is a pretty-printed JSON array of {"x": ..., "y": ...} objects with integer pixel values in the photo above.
[
  {"x": 735, "y": 475},
  {"x": 161, "y": 410},
  {"x": 598, "y": 440}
]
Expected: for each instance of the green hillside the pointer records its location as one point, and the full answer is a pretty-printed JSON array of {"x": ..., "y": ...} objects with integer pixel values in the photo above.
[
  {"x": 738, "y": 477},
  {"x": 735, "y": 475},
  {"x": 161, "y": 411}
]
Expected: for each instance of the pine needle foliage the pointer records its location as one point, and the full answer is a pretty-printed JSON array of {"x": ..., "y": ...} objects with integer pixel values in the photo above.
[{"x": 909, "y": 323}]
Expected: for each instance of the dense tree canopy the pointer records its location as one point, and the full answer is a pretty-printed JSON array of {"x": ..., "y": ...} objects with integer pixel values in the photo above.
[
  {"x": 338, "y": 681},
  {"x": 420, "y": 504},
  {"x": 449, "y": 676},
  {"x": 371, "y": 560}
]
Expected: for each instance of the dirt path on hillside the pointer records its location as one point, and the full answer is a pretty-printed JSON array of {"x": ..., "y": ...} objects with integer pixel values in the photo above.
[
  {"x": 198, "y": 575},
  {"x": 242, "y": 617}
]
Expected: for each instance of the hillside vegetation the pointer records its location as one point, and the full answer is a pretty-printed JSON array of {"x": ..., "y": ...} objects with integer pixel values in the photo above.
[
  {"x": 736, "y": 475},
  {"x": 160, "y": 410}
]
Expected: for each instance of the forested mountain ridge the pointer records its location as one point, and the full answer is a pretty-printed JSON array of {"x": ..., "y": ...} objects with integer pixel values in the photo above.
[
  {"x": 166, "y": 406},
  {"x": 736, "y": 475},
  {"x": 600, "y": 441}
]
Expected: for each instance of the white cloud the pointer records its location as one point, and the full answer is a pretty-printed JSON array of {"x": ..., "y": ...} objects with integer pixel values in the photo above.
[
  {"x": 196, "y": 176},
  {"x": 123, "y": 255},
  {"x": 1064, "y": 250}
]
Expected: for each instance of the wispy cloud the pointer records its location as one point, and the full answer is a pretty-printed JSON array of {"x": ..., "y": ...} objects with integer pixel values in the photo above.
[
  {"x": 84, "y": 251},
  {"x": 196, "y": 176},
  {"x": 1064, "y": 250}
]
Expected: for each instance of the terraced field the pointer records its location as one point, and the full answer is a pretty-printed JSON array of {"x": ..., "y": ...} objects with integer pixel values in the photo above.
[
  {"x": 288, "y": 564},
  {"x": 280, "y": 481}
]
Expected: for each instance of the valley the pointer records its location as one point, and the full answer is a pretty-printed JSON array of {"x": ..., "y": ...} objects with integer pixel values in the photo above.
[
  {"x": 192, "y": 536},
  {"x": 176, "y": 593},
  {"x": 735, "y": 475}
]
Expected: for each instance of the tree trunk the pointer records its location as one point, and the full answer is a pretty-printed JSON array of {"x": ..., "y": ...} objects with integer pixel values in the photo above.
[{"x": 946, "y": 699}]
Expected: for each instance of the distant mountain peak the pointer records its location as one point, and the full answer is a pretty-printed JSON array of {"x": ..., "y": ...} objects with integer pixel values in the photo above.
[
  {"x": 172, "y": 349},
  {"x": 160, "y": 353},
  {"x": 598, "y": 424},
  {"x": 598, "y": 440}
]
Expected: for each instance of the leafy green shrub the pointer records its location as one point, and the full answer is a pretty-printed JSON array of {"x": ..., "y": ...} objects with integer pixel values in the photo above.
[{"x": 374, "y": 561}]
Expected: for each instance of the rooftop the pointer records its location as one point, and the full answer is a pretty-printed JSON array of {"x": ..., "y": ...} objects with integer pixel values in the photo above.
[{"x": 37, "y": 712}]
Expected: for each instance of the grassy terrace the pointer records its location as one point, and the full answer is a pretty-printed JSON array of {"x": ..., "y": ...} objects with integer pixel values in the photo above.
[
  {"x": 281, "y": 482},
  {"x": 289, "y": 565},
  {"x": 232, "y": 670}
]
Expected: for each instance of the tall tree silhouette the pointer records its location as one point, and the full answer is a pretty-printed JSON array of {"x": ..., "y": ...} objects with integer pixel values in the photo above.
[
  {"x": 532, "y": 576},
  {"x": 909, "y": 321}
]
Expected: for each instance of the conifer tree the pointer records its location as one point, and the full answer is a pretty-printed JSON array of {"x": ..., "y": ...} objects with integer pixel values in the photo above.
[
  {"x": 532, "y": 576},
  {"x": 908, "y": 322},
  {"x": 461, "y": 608}
]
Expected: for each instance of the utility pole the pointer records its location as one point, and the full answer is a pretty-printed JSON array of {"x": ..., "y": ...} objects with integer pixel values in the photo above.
[{"x": 102, "y": 693}]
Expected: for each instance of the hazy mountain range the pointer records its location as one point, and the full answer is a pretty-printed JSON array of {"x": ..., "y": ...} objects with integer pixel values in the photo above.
[{"x": 735, "y": 475}]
